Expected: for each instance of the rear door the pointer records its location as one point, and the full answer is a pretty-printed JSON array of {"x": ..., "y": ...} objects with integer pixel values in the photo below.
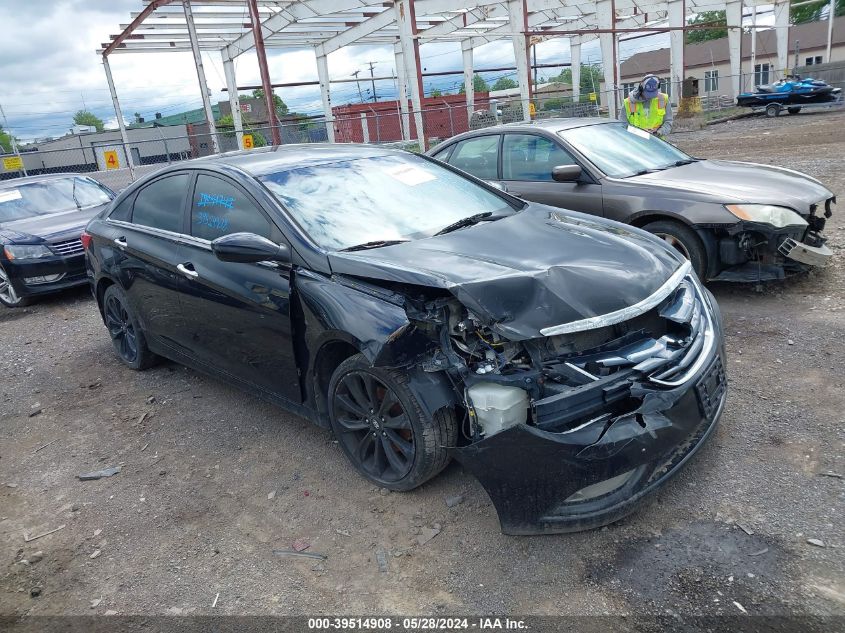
[
  {"x": 239, "y": 314},
  {"x": 527, "y": 163},
  {"x": 145, "y": 233},
  {"x": 478, "y": 156}
]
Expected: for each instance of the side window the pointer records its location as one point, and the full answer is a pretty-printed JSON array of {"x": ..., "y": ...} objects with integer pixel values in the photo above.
[
  {"x": 123, "y": 210},
  {"x": 478, "y": 156},
  {"x": 159, "y": 204},
  {"x": 219, "y": 208},
  {"x": 529, "y": 157},
  {"x": 443, "y": 154}
]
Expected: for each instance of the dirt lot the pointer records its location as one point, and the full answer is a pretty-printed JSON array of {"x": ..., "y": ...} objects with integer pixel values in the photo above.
[{"x": 214, "y": 480}]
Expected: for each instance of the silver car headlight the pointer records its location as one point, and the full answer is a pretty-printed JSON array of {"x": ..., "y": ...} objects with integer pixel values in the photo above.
[
  {"x": 27, "y": 251},
  {"x": 778, "y": 217}
]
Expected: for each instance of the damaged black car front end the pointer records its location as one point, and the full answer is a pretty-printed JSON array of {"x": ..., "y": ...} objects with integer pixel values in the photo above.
[{"x": 582, "y": 386}]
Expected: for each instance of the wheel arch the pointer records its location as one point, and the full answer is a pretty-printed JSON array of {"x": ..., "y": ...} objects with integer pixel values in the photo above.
[
  {"x": 331, "y": 353},
  {"x": 103, "y": 284}
]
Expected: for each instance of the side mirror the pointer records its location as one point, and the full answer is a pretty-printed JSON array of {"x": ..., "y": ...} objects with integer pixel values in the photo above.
[
  {"x": 498, "y": 185},
  {"x": 248, "y": 248},
  {"x": 566, "y": 173}
]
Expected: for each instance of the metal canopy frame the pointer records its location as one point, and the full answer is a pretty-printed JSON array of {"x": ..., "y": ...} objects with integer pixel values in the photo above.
[{"x": 234, "y": 27}]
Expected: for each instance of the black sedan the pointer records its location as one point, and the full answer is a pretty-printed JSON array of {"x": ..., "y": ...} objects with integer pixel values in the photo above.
[
  {"x": 573, "y": 364},
  {"x": 734, "y": 221},
  {"x": 41, "y": 220}
]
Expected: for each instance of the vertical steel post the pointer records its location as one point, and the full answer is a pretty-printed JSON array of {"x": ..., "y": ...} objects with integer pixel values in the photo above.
[
  {"x": 195, "y": 47},
  {"x": 406, "y": 18},
  {"x": 575, "y": 68},
  {"x": 234, "y": 98},
  {"x": 830, "y": 14},
  {"x": 733, "y": 13},
  {"x": 258, "y": 36},
  {"x": 469, "y": 86},
  {"x": 325, "y": 93},
  {"x": 402, "y": 80},
  {"x": 117, "y": 112}
]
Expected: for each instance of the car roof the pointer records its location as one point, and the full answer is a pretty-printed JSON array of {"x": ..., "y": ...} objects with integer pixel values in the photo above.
[
  {"x": 15, "y": 182},
  {"x": 550, "y": 125},
  {"x": 268, "y": 160}
]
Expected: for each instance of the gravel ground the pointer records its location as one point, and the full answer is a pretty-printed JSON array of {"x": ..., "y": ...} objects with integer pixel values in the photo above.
[{"x": 214, "y": 480}]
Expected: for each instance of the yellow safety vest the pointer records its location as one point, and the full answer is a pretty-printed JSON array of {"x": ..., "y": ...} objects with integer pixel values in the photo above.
[{"x": 647, "y": 120}]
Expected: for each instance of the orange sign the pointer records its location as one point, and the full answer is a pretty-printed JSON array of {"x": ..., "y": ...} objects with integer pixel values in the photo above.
[
  {"x": 112, "y": 161},
  {"x": 248, "y": 142}
]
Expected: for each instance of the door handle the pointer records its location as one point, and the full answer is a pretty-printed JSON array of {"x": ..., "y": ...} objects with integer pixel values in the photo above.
[
  {"x": 190, "y": 273},
  {"x": 121, "y": 242}
]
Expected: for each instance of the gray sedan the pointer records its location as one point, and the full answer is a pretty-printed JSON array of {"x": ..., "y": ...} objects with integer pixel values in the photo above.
[{"x": 734, "y": 221}]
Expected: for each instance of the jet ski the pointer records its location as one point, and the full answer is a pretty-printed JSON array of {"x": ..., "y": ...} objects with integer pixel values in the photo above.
[{"x": 790, "y": 91}]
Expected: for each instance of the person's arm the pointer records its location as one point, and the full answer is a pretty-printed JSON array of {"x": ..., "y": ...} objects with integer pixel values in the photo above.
[{"x": 666, "y": 127}]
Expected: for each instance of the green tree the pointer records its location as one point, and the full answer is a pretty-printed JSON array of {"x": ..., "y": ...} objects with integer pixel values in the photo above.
[
  {"x": 815, "y": 11},
  {"x": 84, "y": 117},
  {"x": 5, "y": 141},
  {"x": 226, "y": 125},
  {"x": 708, "y": 17},
  {"x": 591, "y": 78},
  {"x": 478, "y": 85},
  {"x": 505, "y": 83},
  {"x": 258, "y": 93},
  {"x": 436, "y": 93}
]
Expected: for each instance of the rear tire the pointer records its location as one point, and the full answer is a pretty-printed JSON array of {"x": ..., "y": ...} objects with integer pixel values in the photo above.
[
  {"x": 383, "y": 430},
  {"x": 8, "y": 296},
  {"x": 126, "y": 335},
  {"x": 794, "y": 110},
  {"x": 684, "y": 240}
]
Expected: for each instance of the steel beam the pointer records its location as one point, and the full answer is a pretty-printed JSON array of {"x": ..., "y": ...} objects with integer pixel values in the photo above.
[
  {"x": 733, "y": 13},
  {"x": 517, "y": 19},
  {"x": 575, "y": 66},
  {"x": 119, "y": 114},
  {"x": 607, "y": 40},
  {"x": 325, "y": 93},
  {"x": 677, "y": 18},
  {"x": 263, "y": 71},
  {"x": 781, "y": 8},
  {"x": 469, "y": 74},
  {"x": 234, "y": 98},
  {"x": 402, "y": 81},
  {"x": 405, "y": 17},
  {"x": 206, "y": 102}
]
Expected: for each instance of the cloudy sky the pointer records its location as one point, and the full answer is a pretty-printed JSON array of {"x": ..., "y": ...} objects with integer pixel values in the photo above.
[{"x": 49, "y": 68}]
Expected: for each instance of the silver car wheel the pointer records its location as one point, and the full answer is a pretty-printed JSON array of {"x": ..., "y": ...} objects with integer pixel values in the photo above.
[
  {"x": 7, "y": 291},
  {"x": 675, "y": 243}
]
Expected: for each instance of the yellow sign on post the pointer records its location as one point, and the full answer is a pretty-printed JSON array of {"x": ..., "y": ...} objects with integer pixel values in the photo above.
[
  {"x": 592, "y": 96},
  {"x": 248, "y": 142},
  {"x": 13, "y": 163},
  {"x": 111, "y": 159},
  {"x": 532, "y": 110}
]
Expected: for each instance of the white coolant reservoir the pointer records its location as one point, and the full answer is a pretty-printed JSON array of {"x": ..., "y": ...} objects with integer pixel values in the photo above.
[{"x": 498, "y": 407}]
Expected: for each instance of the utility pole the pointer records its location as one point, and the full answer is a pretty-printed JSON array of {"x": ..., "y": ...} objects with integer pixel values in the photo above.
[
  {"x": 12, "y": 139},
  {"x": 358, "y": 83},
  {"x": 373, "y": 80}
]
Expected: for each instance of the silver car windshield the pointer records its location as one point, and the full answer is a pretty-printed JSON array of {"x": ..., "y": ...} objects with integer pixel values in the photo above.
[
  {"x": 32, "y": 199},
  {"x": 621, "y": 151},
  {"x": 388, "y": 198}
]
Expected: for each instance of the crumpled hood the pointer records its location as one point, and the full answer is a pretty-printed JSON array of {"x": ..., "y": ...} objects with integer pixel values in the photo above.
[
  {"x": 537, "y": 268},
  {"x": 49, "y": 227},
  {"x": 726, "y": 181}
]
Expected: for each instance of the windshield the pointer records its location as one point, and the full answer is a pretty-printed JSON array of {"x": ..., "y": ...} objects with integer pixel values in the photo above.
[
  {"x": 620, "y": 151},
  {"x": 32, "y": 199},
  {"x": 378, "y": 199}
]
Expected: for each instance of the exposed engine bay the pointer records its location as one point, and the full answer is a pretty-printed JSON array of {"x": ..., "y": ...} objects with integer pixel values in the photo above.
[{"x": 559, "y": 381}]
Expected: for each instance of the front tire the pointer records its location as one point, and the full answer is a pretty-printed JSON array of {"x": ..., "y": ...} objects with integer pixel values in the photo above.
[
  {"x": 126, "y": 335},
  {"x": 8, "y": 295},
  {"x": 383, "y": 430},
  {"x": 684, "y": 240}
]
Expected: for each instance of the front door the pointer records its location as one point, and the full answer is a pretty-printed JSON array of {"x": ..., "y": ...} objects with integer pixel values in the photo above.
[
  {"x": 239, "y": 314},
  {"x": 527, "y": 163}
]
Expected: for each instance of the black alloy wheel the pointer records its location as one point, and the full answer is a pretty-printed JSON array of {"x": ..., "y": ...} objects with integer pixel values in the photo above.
[
  {"x": 121, "y": 329},
  {"x": 374, "y": 427},
  {"x": 127, "y": 337}
]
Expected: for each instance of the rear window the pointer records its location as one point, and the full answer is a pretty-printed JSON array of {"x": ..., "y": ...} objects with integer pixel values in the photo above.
[{"x": 159, "y": 205}]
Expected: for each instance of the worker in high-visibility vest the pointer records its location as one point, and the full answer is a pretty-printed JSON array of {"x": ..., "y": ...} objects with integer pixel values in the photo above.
[{"x": 649, "y": 109}]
